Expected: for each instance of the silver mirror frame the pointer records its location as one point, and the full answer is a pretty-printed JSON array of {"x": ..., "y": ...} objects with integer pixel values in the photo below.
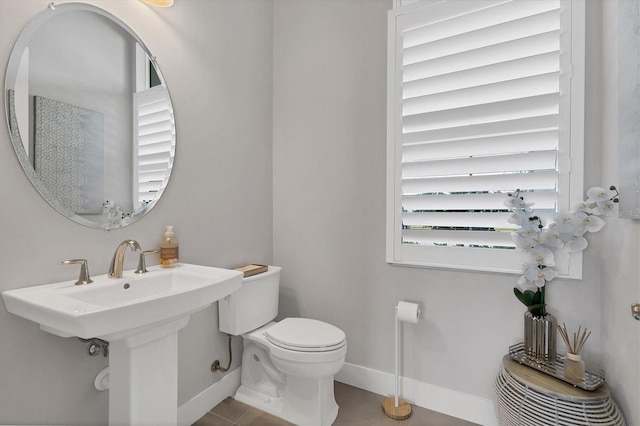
[{"x": 10, "y": 80}]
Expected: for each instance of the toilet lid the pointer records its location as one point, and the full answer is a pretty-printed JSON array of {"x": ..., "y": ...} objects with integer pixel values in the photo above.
[{"x": 306, "y": 335}]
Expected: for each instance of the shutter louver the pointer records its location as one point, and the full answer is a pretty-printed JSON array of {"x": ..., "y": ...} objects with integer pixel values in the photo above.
[
  {"x": 155, "y": 136},
  {"x": 480, "y": 106}
]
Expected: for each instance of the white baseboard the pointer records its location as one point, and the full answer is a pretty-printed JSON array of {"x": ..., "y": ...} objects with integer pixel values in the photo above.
[
  {"x": 192, "y": 410},
  {"x": 443, "y": 400}
]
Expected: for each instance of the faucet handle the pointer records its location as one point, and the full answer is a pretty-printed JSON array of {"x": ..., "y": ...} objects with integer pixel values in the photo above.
[
  {"x": 84, "y": 277},
  {"x": 142, "y": 266}
]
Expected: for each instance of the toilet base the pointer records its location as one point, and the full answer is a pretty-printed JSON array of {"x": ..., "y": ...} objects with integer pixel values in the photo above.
[
  {"x": 260, "y": 401},
  {"x": 300, "y": 402}
]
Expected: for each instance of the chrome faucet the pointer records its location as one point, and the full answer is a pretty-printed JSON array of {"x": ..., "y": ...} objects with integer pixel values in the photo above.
[{"x": 115, "y": 269}]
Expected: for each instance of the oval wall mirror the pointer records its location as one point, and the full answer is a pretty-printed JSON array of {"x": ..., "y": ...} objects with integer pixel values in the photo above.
[{"x": 90, "y": 116}]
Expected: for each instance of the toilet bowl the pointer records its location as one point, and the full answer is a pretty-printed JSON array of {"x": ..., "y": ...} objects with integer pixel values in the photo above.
[
  {"x": 296, "y": 385},
  {"x": 287, "y": 366}
]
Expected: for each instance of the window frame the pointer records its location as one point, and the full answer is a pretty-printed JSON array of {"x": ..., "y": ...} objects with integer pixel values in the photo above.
[{"x": 570, "y": 155}]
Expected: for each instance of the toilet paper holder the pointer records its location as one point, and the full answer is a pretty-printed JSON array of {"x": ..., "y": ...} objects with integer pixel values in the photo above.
[{"x": 395, "y": 407}]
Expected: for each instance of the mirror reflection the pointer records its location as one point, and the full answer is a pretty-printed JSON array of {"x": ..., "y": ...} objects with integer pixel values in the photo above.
[{"x": 90, "y": 116}]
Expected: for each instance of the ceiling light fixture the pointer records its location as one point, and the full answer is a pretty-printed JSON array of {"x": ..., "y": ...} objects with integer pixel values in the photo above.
[{"x": 159, "y": 3}]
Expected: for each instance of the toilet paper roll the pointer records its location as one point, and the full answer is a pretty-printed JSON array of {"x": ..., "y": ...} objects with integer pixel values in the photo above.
[{"x": 408, "y": 312}]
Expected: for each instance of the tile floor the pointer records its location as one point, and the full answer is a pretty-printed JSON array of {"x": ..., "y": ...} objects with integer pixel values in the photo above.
[{"x": 357, "y": 407}]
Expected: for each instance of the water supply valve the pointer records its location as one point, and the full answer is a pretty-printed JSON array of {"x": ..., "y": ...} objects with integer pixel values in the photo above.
[{"x": 96, "y": 346}]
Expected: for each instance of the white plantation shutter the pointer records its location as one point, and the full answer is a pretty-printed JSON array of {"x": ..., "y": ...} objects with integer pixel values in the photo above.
[
  {"x": 155, "y": 147},
  {"x": 481, "y": 96}
]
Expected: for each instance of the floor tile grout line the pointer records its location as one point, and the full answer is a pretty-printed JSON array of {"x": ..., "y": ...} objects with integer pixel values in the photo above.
[
  {"x": 245, "y": 410},
  {"x": 242, "y": 415},
  {"x": 223, "y": 418}
]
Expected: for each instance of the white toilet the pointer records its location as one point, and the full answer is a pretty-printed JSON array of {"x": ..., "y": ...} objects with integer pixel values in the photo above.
[{"x": 287, "y": 366}]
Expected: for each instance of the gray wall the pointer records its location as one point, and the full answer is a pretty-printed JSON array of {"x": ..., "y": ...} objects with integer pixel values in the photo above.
[
  {"x": 217, "y": 60},
  {"x": 619, "y": 247},
  {"x": 329, "y": 215},
  {"x": 325, "y": 216}
]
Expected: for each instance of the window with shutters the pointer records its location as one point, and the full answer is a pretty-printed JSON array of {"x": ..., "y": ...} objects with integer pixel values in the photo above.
[
  {"x": 155, "y": 147},
  {"x": 484, "y": 97},
  {"x": 154, "y": 133}
]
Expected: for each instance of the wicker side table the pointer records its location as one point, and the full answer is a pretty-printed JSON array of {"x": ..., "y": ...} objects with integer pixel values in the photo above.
[{"x": 526, "y": 397}]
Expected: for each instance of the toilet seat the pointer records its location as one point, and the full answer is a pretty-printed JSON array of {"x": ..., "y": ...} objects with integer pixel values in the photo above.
[{"x": 305, "y": 335}]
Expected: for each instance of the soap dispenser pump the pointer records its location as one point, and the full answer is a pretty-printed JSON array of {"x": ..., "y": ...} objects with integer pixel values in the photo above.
[{"x": 169, "y": 248}]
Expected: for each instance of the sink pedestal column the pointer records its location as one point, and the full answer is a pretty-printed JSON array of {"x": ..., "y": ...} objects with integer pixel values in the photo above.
[{"x": 143, "y": 376}]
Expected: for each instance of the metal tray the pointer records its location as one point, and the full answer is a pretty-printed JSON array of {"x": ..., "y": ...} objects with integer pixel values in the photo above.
[{"x": 593, "y": 379}]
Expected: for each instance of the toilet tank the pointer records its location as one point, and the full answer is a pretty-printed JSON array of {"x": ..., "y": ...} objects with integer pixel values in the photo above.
[{"x": 251, "y": 307}]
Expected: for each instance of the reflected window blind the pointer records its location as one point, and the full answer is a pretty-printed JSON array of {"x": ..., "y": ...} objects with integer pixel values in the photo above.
[
  {"x": 479, "y": 107},
  {"x": 155, "y": 148}
]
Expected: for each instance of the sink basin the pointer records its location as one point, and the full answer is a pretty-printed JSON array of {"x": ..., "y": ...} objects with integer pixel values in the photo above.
[
  {"x": 108, "y": 307},
  {"x": 139, "y": 315}
]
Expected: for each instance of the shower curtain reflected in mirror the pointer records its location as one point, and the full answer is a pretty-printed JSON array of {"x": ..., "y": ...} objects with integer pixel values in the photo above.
[{"x": 69, "y": 153}]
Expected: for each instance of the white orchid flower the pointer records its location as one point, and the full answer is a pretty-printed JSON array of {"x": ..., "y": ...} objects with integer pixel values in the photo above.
[
  {"x": 583, "y": 206},
  {"x": 513, "y": 201},
  {"x": 564, "y": 222},
  {"x": 526, "y": 238},
  {"x": 580, "y": 222},
  {"x": 603, "y": 207},
  {"x": 552, "y": 239},
  {"x": 539, "y": 276},
  {"x": 593, "y": 223},
  {"x": 540, "y": 245},
  {"x": 519, "y": 217},
  {"x": 596, "y": 194},
  {"x": 548, "y": 274},
  {"x": 524, "y": 284},
  {"x": 577, "y": 243},
  {"x": 539, "y": 255}
]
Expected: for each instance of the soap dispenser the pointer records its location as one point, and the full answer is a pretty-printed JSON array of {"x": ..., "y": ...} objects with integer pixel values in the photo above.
[{"x": 169, "y": 248}]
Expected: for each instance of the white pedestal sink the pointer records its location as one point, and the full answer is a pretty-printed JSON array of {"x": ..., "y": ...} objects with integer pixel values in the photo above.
[{"x": 139, "y": 315}]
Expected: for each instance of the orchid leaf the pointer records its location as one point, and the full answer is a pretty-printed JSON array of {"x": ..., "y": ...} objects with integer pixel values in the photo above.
[
  {"x": 536, "y": 299},
  {"x": 527, "y": 297},
  {"x": 533, "y": 308},
  {"x": 538, "y": 310}
]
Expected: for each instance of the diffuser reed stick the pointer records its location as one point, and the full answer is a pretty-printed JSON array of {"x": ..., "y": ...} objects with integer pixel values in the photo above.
[{"x": 578, "y": 339}]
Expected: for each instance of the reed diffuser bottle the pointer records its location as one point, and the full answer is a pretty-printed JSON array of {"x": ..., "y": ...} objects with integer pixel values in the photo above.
[{"x": 573, "y": 364}]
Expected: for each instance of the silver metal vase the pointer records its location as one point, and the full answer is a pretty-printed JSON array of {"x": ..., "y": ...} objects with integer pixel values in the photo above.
[{"x": 540, "y": 337}]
